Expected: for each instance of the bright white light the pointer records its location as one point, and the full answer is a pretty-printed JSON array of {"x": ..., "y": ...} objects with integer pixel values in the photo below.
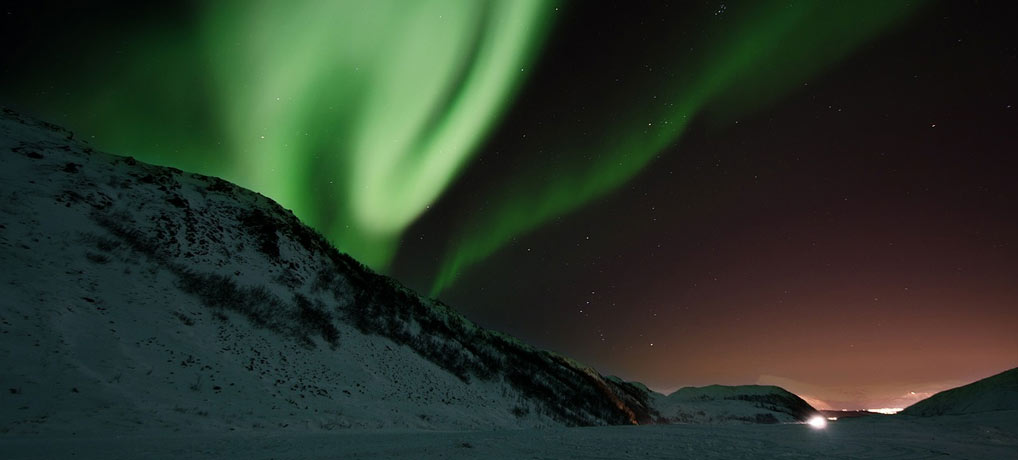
[
  {"x": 886, "y": 410},
  {"x": 817, "y": 422}
]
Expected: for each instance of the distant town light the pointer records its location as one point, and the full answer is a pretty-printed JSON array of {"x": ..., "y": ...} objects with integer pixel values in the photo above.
[{"x": 886, "y": 410}]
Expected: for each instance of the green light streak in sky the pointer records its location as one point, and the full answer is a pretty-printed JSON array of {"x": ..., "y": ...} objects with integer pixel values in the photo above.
[
  {"x": 357, "y": 115},
  {"x": 752, "y": 60}
]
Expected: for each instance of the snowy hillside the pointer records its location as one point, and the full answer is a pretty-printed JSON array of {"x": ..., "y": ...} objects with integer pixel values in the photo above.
[
  {"x": 995, "y": 393},
  {"x": 143, "y": 299}
]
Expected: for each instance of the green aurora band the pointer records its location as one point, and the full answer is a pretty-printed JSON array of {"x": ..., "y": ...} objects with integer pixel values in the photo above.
[
  {"x": 357, "y": 115},
  {"x": 391, "y": 98},
  {"x": 767, "y": 51}
]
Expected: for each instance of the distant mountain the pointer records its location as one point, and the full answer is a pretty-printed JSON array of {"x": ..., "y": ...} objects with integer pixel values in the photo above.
[
  {"x": 139, "y": 298},
  {"x": 727, "y": 404},
  {"x": 999, "y": 392}
]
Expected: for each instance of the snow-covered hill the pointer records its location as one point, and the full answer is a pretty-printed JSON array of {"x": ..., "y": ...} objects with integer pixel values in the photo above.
[
  {"x": 143, "y": 299},
  {"x": 722, "y": 404},
  {"x": 995, "y": 393},
  {"x": 727, "y": 404},
  {"x": 138, "y": 297}
]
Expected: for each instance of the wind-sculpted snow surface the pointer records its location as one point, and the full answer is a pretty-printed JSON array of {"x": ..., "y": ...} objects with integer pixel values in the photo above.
[
  {"x": 141, "y": 298},
  {"x": 995, "y": 393}
]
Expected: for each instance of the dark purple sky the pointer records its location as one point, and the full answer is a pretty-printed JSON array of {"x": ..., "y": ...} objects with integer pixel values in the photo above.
[{"x": 854, "y": 242}]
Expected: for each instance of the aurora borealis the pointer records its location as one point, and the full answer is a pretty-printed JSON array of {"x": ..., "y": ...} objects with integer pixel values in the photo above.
[
  {"x": 392, "y": 116},
  {"x": 735, "y": 70},
  {"x": 359, "y": 129},
  {"x": 636, "y": 185},
  {"x": 320, "y": 105}
]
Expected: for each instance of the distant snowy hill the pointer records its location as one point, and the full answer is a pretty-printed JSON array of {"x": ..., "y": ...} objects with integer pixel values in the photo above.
[
  {"x": 995, "y": 393},
  {"x": 726, "y": 404},
  {"x": 716, "y": 404},
  {"x": 143, "y": 299}
]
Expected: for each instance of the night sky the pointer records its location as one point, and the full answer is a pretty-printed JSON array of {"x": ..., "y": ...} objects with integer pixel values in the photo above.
[{"x": 818, "y": 195}]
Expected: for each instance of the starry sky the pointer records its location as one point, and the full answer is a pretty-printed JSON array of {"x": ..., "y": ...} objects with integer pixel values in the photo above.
[{"x": 815, "y": 195}]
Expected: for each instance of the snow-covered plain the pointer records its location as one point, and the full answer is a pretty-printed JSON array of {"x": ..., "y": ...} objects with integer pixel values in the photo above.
[{"x": 985, "y": 436}]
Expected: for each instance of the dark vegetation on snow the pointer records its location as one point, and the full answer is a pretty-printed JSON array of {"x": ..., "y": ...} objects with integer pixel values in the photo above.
[
  {"x": 299, "y": 319},
  {"x": 344, "y": 290}
]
